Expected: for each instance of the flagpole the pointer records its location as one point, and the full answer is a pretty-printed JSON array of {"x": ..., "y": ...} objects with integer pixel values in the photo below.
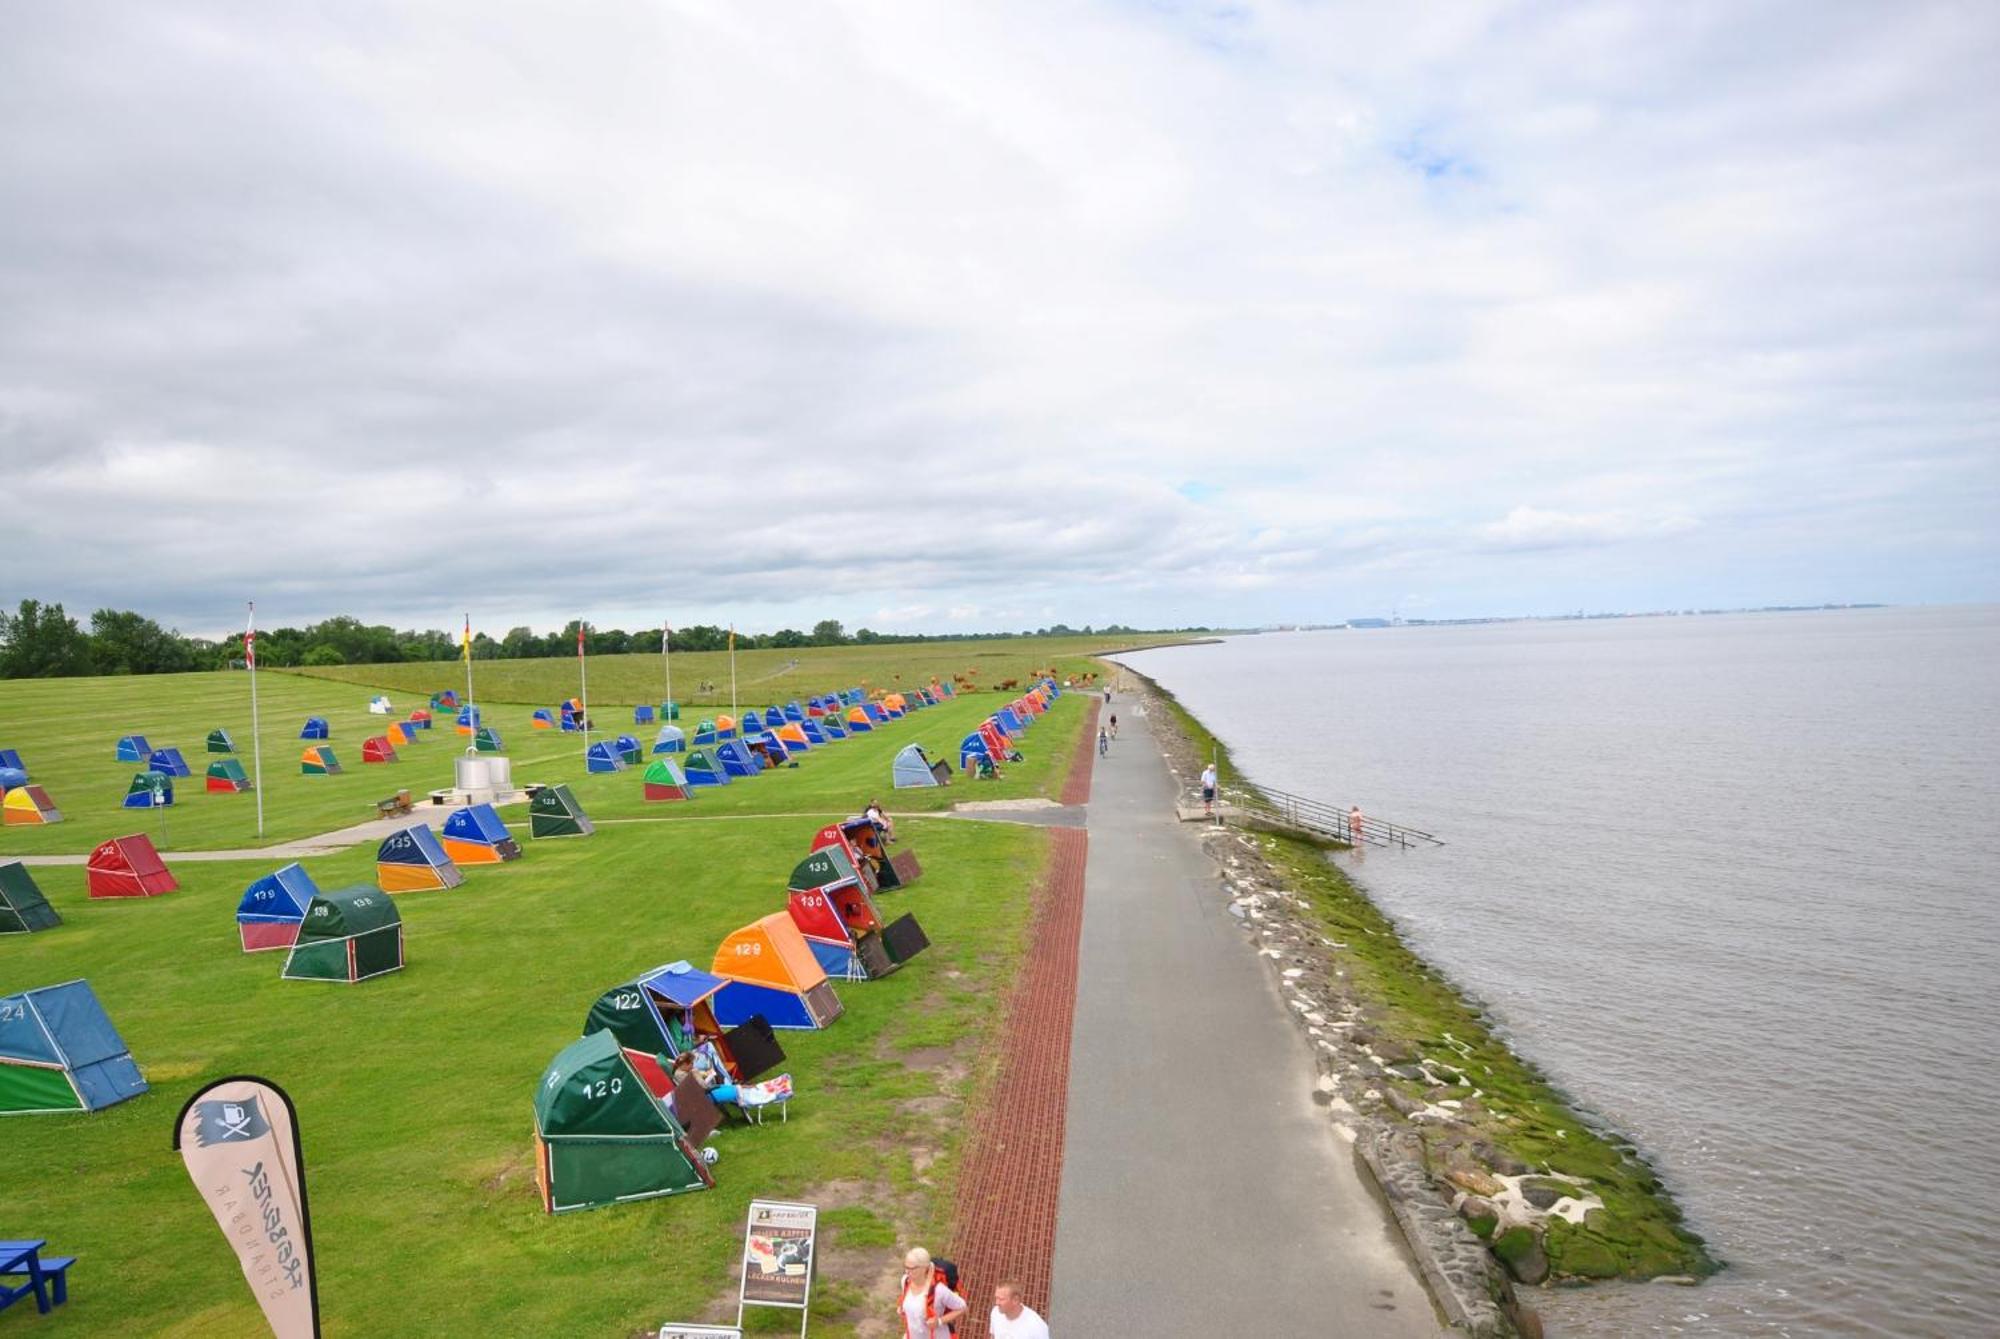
[
  {"x": 583, "y": 686},
  {"x": 667, "y": 664},
  {"x": 472, "y": 740},
  {"x": 732, "y": 670},
  {"x": 256, "y": 739}
]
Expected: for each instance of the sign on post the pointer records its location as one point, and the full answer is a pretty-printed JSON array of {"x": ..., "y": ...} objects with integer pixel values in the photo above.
[
  {"x": 673, "y": 1331},
  {"x": 778, "y": 1257}
]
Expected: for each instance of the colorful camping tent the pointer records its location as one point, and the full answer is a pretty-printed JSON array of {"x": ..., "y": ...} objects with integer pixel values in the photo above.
[
  {"x": 403, "y": 732},
  {"x": 486, "y": 740},
  {"x": 702, "y": 770},
  {"x": 671, "y": 739},
  {"x": 149, "y": 790},
  {"x": 128, "y": 867},
  {"x": 704, "y": 733},
  {"x": 27, "y": 806},
  {"x": 664, "y": 781},
  {"x": 12, "y": 758},
  {"x": 875, "y": 712},
  {"x": 602, "y": 1138},
  {"x": 60, "y": 1052},
  {"x": 774, "y": 719},
  {"x": 268, "y": 916},
  {"x": 133, "y": 748},
  {"x": 725, "y": 726},
  {"x": 220, "y": 742},
  {"x": 642, "y": 714},
  {"x": 227, "y": 777},
  {"x": 829, "y": 902},
  {"x": 738, "y": 758},
  {"x": 421, "y": 718},
  {"x": 543, "y": 719},
  {"x": 377, "y": 748},
  {"x": 378, "y": 705},
  {"x": 858, "y": 721},
  {"x": 670, "y": 1009},
  {"x": 866, "y": 846},
  {"x": 315, "y": 728},
  {"x": 628, "y": 748},
  {"x": 973, "y": 746},
  {"x": 468, "y": 720},
  {"x": 318, "y": 760},
  {"x": 10, "y": 777},
  {"x": 809, "y": 730},
  {"x": 603, "y": 756},
  {"x": 554, "y": 812},
  {"x": 793, "y": 711},
  {"x": 410, "y": 860},
  {"x": 831, "y": 727},
  {"x": 793, "y": 736},
  {"x": 170, "y": 761},
  {"x": 475, "y": 835},
  {"x": 349, "y": 934},
  {"x": 23, "y": 909},
  {"x": 914, "y": 768},
  {"x": 445, "y": 701},
  {"x": 771, "y": 971}
]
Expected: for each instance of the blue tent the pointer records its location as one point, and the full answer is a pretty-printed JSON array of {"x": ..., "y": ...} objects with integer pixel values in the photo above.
[
  {"x": 149, "y": 790},
  {"x": 544, "y": 716},
  {"x": 59, "y": 1052},
  {"x": 642, "y": 714},
  {"x": 831, "y": 727},
  {"x": 809, "y": 727},
  {"x": 603, "y": 756},
  {"x": 737, "y": 759},
  {"x": 773, "y": 718},
  {"x": 1009, "y": 722},
  {"x": 671, "y": 739},
  {"x": 273, "y": 907},
  {"x": 12, "y": 758},
  {"x": 875, "y": 712},
  {"x": 469, "y": 717},
  {"x": 794, "y": 712},
  {"x": 912, "y": 768},
  {"x": 134, "y": 748},
  {"x": 973, "y": 746},
  {"x": 315, "y": 728},
  {"x": 571, "y": 721},
  {"x": 704, "y": 734},
  {"x": 170, "y": 762},
  {"x": 628, "y": 745},
  {"x": 11, "y": 777},
  {"x": 702, "y": 770}
]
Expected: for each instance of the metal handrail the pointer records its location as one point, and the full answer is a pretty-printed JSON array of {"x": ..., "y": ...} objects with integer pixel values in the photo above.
[{"x": 1326, "y": 820}]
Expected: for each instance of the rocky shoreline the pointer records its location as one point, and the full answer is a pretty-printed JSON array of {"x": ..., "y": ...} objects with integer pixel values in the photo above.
[{"x": 1492, "y": 1178}]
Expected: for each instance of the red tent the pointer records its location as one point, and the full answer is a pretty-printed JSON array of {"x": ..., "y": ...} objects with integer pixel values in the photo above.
[
  {"x": 128, "y": 867},
  {"x": 377, "y": 749}
]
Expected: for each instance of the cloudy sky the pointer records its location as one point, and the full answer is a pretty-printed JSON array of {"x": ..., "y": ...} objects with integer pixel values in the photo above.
[{"x": 936, "y": 316}]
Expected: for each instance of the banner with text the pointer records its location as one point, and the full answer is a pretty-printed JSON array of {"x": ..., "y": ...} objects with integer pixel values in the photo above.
[
  {"x": 239, "y": 1138},
  {"x": 778, "y": 1255}
]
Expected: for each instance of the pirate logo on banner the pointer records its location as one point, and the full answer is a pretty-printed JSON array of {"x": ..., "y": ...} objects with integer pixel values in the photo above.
[{"x": 239, "y": 1139}]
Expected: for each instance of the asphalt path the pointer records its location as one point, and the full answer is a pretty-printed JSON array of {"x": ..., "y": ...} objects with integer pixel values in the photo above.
[{"x": 1203, "y": 1192}]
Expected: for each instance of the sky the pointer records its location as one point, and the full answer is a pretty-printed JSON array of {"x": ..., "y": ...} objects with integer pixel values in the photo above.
[{"x": 956, "y": 317}]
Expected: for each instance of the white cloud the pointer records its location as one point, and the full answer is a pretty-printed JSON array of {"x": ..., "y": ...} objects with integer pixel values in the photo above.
[{"x": 926, "y": 310}]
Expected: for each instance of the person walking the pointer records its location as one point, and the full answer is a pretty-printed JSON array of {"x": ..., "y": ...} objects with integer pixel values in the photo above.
[
  {"x": 1208, "y": 790},
  {"x": 1114, "y": 725},
  {"x": 928, "y": 1307},
  {"x": 1354, "y": 826},
  {"x": 1103, "y": 742},
  {"x": 1012, "y": 1317}
]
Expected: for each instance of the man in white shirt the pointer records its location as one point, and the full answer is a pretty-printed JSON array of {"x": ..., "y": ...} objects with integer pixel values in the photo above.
[{"x": 1013, "y": 1318}]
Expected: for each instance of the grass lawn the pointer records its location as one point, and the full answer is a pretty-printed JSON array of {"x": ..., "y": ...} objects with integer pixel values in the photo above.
[
  {"x": 761, "y": 676},
  {"x": 66, "y": 730},
  {"x": 414, "y": 1088}
]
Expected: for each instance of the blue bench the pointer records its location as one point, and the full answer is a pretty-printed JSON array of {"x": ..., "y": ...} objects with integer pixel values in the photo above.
[{"x": 47, "y": 1279}]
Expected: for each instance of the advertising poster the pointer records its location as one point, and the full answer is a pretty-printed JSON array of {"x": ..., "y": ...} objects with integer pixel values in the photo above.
[
  {"x": 239, "y": 1140},
  {"x": 778, "y": 1255}
]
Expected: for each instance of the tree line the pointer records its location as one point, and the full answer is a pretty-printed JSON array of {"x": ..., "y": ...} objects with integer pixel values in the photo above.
[{"x": 40, "y": 641}]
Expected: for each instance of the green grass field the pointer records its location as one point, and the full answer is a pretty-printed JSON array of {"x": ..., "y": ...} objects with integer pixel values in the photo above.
[
  {"x": 761, "y": 676},
  {"x": 414, "y": 1088},
  {"x": 67, "y": 729}
]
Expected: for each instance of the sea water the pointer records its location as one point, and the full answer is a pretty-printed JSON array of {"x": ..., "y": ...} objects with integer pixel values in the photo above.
[{"x": 1730, "y": 880}]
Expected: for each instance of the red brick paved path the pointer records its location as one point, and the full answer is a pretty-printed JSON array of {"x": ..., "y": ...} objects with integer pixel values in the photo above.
[{"x": 1005, "y": 1225}]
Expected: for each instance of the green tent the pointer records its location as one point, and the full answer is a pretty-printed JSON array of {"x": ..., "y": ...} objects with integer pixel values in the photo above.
[
  {"x": 554, "y": 812},
  {"x": 602, "y": 1138},
  {"x": 487, "y": 740},
  {"x": 349, "y": 934},
  {"x": 220, "y": 742},
  {"x": 23, "y": 909}
]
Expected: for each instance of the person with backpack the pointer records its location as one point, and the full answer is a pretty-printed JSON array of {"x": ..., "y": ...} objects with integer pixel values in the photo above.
[{"x": 928, "y": 1307}]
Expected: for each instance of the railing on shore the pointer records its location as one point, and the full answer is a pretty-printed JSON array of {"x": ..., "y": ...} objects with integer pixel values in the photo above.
[{"x": 1308, "y": 815}]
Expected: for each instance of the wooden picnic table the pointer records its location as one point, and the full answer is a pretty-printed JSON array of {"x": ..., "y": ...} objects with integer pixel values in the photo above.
[{"x": 23, "y": 1257}]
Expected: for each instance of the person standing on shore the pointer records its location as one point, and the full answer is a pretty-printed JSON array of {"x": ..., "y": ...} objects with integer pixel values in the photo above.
[
  {"x": 1208, "y": 790},
  {"x": 1354, "y": 826},
  {"x": 1012, "y": 1317}
]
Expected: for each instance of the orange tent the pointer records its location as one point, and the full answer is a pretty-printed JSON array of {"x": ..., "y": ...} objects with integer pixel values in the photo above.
[{"x": 771, "y": 970}]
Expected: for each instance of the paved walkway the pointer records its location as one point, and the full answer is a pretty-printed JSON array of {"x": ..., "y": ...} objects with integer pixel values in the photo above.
[{"x": 1202, "y": 1191}]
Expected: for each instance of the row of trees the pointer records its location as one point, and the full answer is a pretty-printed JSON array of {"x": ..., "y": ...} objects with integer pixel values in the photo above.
[{"x": 42, "y": 641}]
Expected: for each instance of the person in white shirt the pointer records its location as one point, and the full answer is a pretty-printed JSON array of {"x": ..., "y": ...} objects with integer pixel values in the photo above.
[
  {"x": 1208, "y": 789},
  {"x": 1013, "y": 1318},
  {"x": 927, "y": 1308}
]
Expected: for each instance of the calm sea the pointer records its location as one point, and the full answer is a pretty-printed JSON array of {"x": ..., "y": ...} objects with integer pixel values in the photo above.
[{"x": 1731, "y": 881}]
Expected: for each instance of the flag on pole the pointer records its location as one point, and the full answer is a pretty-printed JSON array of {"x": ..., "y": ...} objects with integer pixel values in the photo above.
[
  {"x": 579, "y": 639},
  {"x": 256, "y": 726},
  {"x": 465, "y": 642},
  {"x": 250, "y": 639},
  {"x": 666, "y": 631}
]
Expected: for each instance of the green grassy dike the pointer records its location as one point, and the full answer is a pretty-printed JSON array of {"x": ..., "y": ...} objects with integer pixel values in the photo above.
[
  {"x": 1507, "y": 1119},
  {"x": 414, "y": 1088}
]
